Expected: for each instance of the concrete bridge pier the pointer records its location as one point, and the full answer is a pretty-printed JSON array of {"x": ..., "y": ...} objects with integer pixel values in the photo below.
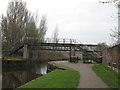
[
  {"x": 35, "y": 54},
  {"x": 72, "y": 52},
  {"x": 25, "y": 52},
  {"x": 29, "y": 54}
]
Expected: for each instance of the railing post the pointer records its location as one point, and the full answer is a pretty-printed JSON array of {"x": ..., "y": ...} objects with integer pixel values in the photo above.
[
  {"x": 75, "y": 42},
  {"x": 56, "y": 40},
  {"x": 70, "y": 53},
  {"x": 63, "y": 41},
  {"x": 70, "y": 41}
]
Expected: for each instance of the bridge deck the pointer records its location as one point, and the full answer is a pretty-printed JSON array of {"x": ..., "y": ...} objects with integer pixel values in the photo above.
[{"x": 59, "y": 45}]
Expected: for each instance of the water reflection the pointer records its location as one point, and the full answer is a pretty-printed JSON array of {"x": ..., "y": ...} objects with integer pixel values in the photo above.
[
  {"x": 0, "y": 80},
  {"x": 16, "y": 76}
]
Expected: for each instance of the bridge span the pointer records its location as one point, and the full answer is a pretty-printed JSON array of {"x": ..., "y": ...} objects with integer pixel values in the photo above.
[{"x": 70, "y": 45}]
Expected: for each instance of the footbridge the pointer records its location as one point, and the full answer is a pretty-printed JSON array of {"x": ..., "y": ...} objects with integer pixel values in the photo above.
[{"x": 60, "y": 44}]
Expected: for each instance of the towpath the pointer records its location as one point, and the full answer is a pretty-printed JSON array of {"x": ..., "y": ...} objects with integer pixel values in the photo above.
[{"x": 88, "y": 79}]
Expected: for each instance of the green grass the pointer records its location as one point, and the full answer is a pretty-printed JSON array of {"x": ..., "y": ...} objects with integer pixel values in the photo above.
[
  {"x": 14, "y": 58},
  {"x": 109, "y": 76},
  {"x": 55, "y": 79}
]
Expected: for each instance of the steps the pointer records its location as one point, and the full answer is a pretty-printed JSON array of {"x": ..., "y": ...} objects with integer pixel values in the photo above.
[
  {"x": 94, "y": 58},
  {"x": 16, "y": 47}
]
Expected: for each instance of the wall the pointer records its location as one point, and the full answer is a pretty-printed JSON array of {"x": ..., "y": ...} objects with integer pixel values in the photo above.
[{"x": 111, "y": 56}]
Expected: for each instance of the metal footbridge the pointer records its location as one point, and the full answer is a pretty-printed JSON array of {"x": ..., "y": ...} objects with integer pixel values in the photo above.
[{"x": 60, "y": 44}]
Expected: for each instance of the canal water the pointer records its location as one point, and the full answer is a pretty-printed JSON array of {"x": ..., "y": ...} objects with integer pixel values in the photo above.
[{"x": 13, "y": 77}]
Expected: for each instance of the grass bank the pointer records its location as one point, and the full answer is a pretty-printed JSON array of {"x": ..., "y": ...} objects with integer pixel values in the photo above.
[
  {"x": 13, "y": 58},
  {"x": 55, "y": 79},
  {"x": 109, "y": 76}
]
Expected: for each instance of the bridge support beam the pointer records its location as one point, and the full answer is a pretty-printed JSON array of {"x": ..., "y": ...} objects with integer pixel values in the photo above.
[
  {"x": 25, "y": 52},
  {"x": 72, "y": 52}
]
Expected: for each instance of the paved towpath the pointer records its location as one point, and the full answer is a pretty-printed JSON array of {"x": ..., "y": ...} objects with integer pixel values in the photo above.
[{"x": 88, "y": 79}]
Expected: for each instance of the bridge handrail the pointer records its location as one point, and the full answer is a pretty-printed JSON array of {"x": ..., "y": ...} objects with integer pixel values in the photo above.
[
  {"x": 51, "y": 40},
  {"x": 27, "y": 40},
  {"x": 64, "y": 41}
]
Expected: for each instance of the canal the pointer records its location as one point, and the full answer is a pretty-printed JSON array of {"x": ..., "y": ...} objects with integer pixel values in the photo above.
[{"x": 13, "y": 77}]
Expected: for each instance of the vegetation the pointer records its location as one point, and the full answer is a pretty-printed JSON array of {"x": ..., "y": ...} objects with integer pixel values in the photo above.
[
  {"x": 14, "y": 58},
  {"x": 55, "y": 79},
  {"x": 55, "y": 34},
  {"x": 115, "y": 35},
  {"x": 20, "y": 23},
  {"x": 109, "y": 76},
  {"x": 102, "y": 46},
  {"x": 113, "y": 2},
  {"x": 115, "y": 32}
]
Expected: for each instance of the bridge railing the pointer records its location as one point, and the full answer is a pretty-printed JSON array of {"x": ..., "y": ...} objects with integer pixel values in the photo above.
[
  {"x": 33, "y": 40},
  {"x": 60, "y": 40},
  {"x": 50, "y": 40}
]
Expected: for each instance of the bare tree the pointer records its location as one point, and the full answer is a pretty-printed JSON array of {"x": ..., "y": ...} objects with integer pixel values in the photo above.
[
  {"x": 55, "y": 34},
  {"x": 20, "y": 23},
  {"x": 116, "y": 31},
  {"x": 13, "y": 25},
  {"x": 113, "y": 2},
  {"x": 42, "y": 28},
  {"x": 115, "y": 35},
  {"x": 102, "y": 46}
]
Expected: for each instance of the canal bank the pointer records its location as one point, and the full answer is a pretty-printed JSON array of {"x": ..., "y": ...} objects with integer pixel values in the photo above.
[
  {"x": 16, "y": 73},
  {"x": 26, "y": 63},
  {"x": 64, "y": 78},
  {"x": 55, "y": 79},
  {"x": 15, "y": 76},
  {"x": 59, "y": 77}
]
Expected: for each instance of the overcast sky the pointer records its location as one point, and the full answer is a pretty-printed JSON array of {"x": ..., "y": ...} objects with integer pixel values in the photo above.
[{"x": 85, "y": 20}]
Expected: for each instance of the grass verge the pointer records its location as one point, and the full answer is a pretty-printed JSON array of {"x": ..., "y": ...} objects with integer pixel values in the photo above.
[
  {"x": 55, "y": 79},
  {"x": 109, "y": 76},
  {"x": 14, "y": 58}
]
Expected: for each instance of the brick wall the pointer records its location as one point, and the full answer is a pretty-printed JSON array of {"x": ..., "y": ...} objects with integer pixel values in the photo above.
[{"x": 111, "y": 56}]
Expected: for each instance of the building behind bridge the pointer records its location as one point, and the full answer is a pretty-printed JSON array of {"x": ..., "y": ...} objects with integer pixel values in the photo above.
[{"x": 111, "y": 56}]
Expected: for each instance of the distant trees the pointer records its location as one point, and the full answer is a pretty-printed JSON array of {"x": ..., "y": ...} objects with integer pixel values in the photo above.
[
  {"x": 55, "y": 34},
  {"x": 42, "y": 28},
  {"x": 19, "y": 23},
  {"x": 102, "y": 46},
  {"x": 14, "y": 24}
]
